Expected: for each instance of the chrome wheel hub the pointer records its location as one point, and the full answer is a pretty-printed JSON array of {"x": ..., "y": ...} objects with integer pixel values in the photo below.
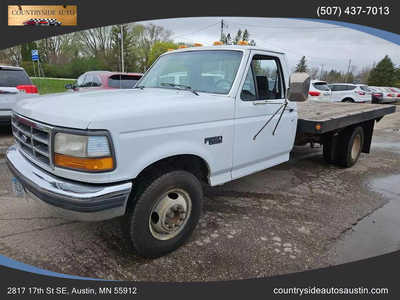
[{"x": 170, "y": 214}]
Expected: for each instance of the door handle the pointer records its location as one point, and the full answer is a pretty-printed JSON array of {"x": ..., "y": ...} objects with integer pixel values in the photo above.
[
  {"x": 290, "y": 109},
  {"x": 262, "y": 102}
]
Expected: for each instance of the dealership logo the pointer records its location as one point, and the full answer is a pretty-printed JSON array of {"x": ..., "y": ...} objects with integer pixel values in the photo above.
[
  {"x": 42, "y": 15},
  {"x": 42, "y": 22}
]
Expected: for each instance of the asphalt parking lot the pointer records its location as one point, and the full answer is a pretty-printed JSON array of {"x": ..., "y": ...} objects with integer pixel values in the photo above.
[{"x": 300, "y": 215}]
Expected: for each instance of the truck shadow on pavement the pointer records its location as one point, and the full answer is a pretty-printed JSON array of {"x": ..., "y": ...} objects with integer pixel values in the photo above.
[{"x": 277, "y": 221}]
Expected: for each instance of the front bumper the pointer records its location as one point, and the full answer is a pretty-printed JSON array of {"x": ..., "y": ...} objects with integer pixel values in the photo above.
[{"x": 69, "y": 199}]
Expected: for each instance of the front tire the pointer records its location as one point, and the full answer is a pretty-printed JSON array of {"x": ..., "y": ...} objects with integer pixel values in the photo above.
[{"x": 165, "y": 213}]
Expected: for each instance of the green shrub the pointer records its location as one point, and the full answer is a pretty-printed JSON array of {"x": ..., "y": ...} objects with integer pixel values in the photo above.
[{"x": 70, "y": 70}]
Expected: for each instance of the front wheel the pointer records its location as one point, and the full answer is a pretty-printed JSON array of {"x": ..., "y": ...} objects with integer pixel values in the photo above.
[{"x": 165, "y": 213}]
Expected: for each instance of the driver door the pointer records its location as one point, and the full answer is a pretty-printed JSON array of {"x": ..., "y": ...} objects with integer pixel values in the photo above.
[{"x": 262, "y": 94}]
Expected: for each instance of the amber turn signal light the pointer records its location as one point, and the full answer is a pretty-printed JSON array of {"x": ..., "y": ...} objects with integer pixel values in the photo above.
[{"x": 84, "y": 164}]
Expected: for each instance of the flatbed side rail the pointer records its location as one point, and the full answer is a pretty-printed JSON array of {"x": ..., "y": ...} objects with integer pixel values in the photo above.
[{"x": 315, "y": 126}]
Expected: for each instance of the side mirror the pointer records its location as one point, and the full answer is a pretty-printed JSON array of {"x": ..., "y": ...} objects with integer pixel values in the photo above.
[
  {"x": 70, "y": 86},
  {"x": 299, "y": 85}
]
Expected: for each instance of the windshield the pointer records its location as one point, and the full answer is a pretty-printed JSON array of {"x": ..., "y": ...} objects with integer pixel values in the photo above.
[
  {"x": 209, "y": 71},
  {"x": 88, "y": 80},
  {"x": 322, "y": 86},
  {"x": 12, "y": 78},
  {"x": 122, "y": 81}
]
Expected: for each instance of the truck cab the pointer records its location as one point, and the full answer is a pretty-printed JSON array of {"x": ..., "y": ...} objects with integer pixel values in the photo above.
[{"x": 201, "y": 115}]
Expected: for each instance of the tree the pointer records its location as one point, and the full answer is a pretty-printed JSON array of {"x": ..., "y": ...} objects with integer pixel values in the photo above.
[
  {"x": 59, "y": 49},
  {"x": 302, "y": 65},
  {"x": 397, "y": 75},
  {"x": 130, "y": 57},
  {"x": 145, "y": 37},
  {"x": 160, "y": 48},
  {"x": 11, "y": 56},
  {"x": 362, "y": 76},
  {"x": 26, "y": 51},
  {"x": 95, "y": 42},
  {"x": 383, "y": 74},
  {"x": 150, "y": 35},
  {"x": 350, "y": 77},
  {"x": 314, "y": 72},
  {"x": 332, "y": 76},
  {"x": 72, "y": 54},
  {"x": 240, "y": 36}
]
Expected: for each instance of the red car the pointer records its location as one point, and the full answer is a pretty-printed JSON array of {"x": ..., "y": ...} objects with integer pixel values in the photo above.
[
  {"x": 42, "y": 22},
  {"x": 104, "y": 80},
  {"x": 30, "y": 22}
]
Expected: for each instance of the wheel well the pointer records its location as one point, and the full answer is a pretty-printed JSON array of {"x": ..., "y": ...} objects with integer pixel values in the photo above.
[
  {"x": 348, "y": 99},
  {"x": 190, "y": 163}
]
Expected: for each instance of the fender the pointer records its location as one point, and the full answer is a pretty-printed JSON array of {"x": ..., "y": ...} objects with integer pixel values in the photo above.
[{"x": 155, "y": 146}]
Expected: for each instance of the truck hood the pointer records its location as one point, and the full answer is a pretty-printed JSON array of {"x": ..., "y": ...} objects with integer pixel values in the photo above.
[{"x": 150, "y": 107}]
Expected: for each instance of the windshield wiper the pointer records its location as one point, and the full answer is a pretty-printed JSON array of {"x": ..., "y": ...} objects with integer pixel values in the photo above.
[
  {"x": 139, "y": 87},
  {"x": 180, "y": 86}
]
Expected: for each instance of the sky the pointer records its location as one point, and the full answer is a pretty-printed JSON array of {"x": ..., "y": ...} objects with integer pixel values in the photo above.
[{"x": 325, "y": 46}]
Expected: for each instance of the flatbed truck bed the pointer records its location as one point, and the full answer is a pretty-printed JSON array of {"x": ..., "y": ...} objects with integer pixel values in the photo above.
[
  {"x": 321, "y": 117},
  {"x": 344, "y": 129}
]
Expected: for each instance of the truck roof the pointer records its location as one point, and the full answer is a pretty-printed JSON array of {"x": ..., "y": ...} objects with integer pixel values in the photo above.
[{"x": 228, "y": 47}]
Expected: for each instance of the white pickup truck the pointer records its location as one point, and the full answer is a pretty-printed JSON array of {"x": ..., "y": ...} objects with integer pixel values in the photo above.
[{"x": 201, "y": 115}]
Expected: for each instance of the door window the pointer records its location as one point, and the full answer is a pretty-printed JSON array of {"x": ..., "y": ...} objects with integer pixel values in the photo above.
[
  {"x": 88, "y": 80},
  {"x": 263, "y": 80},
  {"x": 249, "y": 89}
]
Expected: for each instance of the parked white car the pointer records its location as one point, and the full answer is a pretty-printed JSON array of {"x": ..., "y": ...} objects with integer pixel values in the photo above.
[
  {"x": 364, "y": 89},
  {"x": 319, "y": 91},
  {"x": 348, "y": 92},
  {"x": 395, "y": 92}
]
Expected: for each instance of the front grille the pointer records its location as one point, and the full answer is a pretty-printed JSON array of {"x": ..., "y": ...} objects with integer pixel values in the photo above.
[{"x": 33, "y": 138}]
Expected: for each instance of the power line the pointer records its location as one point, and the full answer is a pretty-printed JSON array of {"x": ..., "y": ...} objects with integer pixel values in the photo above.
[{"x": 290, "y": 27}]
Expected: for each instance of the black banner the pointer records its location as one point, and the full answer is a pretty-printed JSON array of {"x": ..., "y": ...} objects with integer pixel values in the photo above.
[{"x": 100, "y": 13}]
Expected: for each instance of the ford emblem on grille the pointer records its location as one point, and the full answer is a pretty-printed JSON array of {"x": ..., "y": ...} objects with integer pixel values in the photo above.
[{"x": 24, "y": 138}]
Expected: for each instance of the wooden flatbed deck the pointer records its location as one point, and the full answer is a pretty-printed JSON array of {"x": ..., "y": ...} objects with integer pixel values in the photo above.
[{"x": 333, "y": 116}]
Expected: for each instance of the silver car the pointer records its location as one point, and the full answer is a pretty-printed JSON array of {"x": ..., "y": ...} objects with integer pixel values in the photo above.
[
  {"x": 15, "y": 84},
  {"x": 382, "y": 95}
]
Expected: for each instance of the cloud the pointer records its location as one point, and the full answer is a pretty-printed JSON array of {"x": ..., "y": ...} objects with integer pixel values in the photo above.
[{"x": 324, "y": 45}]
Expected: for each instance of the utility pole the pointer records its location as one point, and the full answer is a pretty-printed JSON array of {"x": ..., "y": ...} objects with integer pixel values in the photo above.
[
  {"x": 322, "y": 71},
  {"x": 222, "y": 29},
  {"x": 122, "y": 50},
  {"x": 348, "y": 70}
]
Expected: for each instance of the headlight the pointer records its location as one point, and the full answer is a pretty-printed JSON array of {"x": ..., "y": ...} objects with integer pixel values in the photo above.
[{"x": 83, "y": 152}]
